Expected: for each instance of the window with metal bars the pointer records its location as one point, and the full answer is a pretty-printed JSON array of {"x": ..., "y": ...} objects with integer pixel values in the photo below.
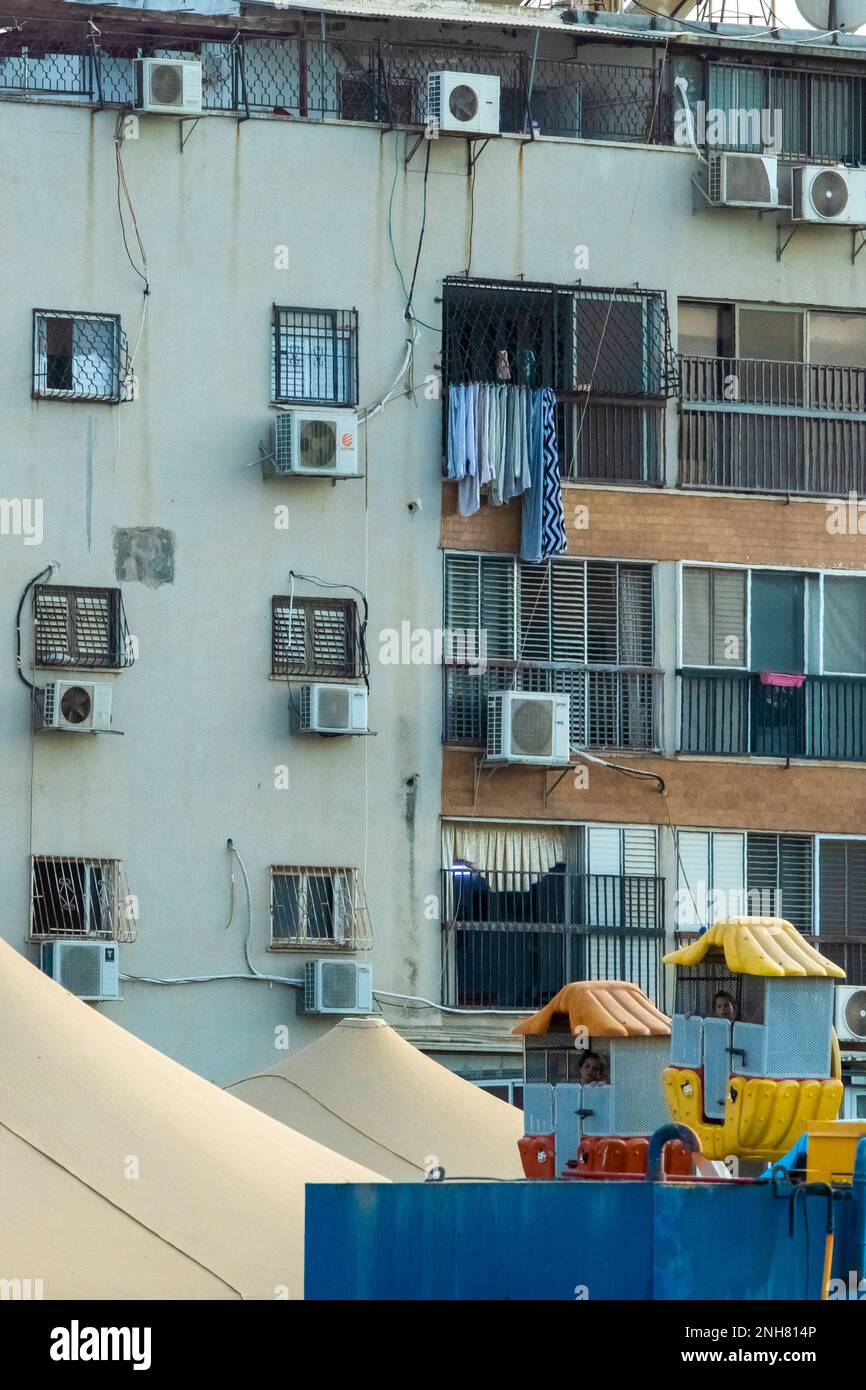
[
  {"x": 315, "y": 356},
  {"x": 79, "y": 356},
  {"x": 582, "y": 628},
  {"x": 81, "y": 628},
  {"x": 81, "y": 898},
  {"x": 731, "y": 873},
  {"x": 318, "y": 908},
  {"x": 563, "y": 611},
  {"x": 316, "y": 637},
  {"x": 780, "y": 869},
  {"x": 576, "y": 339}
]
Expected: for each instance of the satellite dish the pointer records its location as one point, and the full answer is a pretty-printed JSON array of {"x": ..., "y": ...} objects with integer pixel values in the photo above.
[{"x": 828, "y": 15}]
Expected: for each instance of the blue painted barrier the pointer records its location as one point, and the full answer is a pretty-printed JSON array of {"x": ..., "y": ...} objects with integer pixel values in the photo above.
[{"x": 561, "y": 1240}]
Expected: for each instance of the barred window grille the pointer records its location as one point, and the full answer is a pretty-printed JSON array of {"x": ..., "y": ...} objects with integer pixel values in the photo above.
[
  {"x": 576, "y": 340},
  {"x": 316, "y": 637},
  {"x": 779, "y": 871},
  {"x": 315, "y": 356},
  {"x": 583, "y": 628},
  {"x": 78, "y": 356},
  {"x": 81, "y": 898},
  {"x": 81, "y": 628},
  {"x": 318, "y": 908}
]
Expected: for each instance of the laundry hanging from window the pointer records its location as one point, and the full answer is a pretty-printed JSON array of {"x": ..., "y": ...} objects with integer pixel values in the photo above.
[{"x": 502, "y": 444}]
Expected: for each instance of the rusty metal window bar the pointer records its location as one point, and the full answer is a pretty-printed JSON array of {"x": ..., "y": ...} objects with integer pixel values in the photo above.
[
  {"x": 316, "y": 637},
  {"x": 80, "y": 356},
  {"x": 318, "y": 909},
  {"x": 315, "y": 356},
  {"x": 80, "y": 628},
  {"x": 81, "y": 899}
]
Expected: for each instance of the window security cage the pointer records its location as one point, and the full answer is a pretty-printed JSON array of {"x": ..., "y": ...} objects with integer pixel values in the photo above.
[
  {"x": 319, "y": 637},
  {"x": 318, "y": 909},
  {"x": 81, "y": 899},
  {"x": 315, "y": 356},
  {"x": 80, "y": 356},
  {"x": 80, "y": 628}
]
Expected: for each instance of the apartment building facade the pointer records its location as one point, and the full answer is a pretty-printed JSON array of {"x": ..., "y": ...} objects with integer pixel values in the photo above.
[{"x": 305, "y": 247}]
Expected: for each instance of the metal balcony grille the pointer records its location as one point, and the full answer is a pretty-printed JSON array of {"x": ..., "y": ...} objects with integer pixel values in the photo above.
[
  {"x": 506, "y": 948},
  {"x": 80, "y": 628},
  {"x": 81, "y": 898},
  {"x": 725, "y": 712},
  {"x": 315, "y": 356},
  {"x": 79, "y": 356},
  {"x": 611, "y": 441},
  {"x": 318, "y": 909},
  {"x": 820, "y": 112},
  {"x": 760, "y": 426},
  {"x": 316, "y": 637},
  {"x": 575, "y": 339},
  {"x": 846, "y": 951}
]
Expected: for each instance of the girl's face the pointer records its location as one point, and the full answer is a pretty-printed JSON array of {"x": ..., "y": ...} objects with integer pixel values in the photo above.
[{"x": 590, "y": 1069}]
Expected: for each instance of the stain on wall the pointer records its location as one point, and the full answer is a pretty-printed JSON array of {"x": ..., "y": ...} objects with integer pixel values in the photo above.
[{"x": 144, "y": 555}]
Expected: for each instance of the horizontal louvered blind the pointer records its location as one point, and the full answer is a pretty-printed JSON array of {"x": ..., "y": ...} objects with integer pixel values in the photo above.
[
  {"x": 779, "y": 879},
  {"x": 714, "y": 617},
  {"x": 842, "y": 887},
  {"x": 569, "y": 611},
  {"x": 639, "y": 850},
  {"x": 315, "y": 637}
]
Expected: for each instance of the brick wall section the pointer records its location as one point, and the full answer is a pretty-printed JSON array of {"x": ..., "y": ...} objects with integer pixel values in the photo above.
[
  {"x": 817, "y": 798},
  {"x": 656, "y": 524}
]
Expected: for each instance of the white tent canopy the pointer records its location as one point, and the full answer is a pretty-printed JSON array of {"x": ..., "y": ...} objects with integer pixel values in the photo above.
[
  {"x": 370, "y": 1095},
  {"x": 123, "y": 1175}
]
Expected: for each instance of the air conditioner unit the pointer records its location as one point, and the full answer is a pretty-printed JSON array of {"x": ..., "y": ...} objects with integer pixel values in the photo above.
[
  {"x": 168, "y": 86},
  {"x": 333, "y": 709},
  {"x": 850, "y": 1020},
  {"x": 314, "y": 444},
  {"x": 828, "y": 194},
  {"x": 463, "y": 103},
  {"x": 77, "y": 707},
  {"x": 88, "y": 969},
  {"x": 528, "y": 728},
  {"x": 337, "y": 987},
  {"x": 743, "y": 180}
]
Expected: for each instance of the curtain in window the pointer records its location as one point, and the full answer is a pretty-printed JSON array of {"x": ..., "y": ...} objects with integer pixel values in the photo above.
[
  {"x": 524, "y": 855},
  {"x": 845, "y": 625}
]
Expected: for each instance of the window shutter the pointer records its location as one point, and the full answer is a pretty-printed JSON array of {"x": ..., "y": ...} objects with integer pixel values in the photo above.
[
  {"x": 534, "y": 601},
  {"x": 842, "y": 891},
  {"x": 568, "y": 639},
  {"x": 780, "y": 877},
  {"x": 696, "y": 617},
  {"x": 693, "y": 877},
  {"x": 729, "y": 618},
  {"x": 604, "y": 849},
  {"x": 497, "y": 605},
  {"x": 728, "y": 874},
  {"x": 639, "y": 850},
  {"x": 602, "y": 638},
  {"x": 462, "y": 592}
]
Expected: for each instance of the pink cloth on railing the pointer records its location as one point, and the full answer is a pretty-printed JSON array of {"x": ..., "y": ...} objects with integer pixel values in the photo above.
[{"x": 777, "y": 678}]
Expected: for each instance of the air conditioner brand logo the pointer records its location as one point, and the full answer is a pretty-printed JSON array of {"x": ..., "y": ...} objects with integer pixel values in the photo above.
[
  {"x": 347, "y": 440},
  {"x": 77, "y": 1343}
]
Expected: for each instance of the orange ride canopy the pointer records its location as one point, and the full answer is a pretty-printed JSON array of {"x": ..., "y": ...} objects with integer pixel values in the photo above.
[{"x": 603, "y": 1009}]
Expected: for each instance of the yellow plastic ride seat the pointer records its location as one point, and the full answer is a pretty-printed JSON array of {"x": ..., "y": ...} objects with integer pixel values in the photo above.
[{"x": 763, "y": 1118}]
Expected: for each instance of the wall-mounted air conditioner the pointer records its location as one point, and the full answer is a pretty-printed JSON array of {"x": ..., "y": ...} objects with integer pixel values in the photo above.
[
  {"x": 828, "y": 194},
  {"x": 168, "y": 86},
  {"x": 337, "y": 987},
  {"x": 88, "y": 969},
  {"x": 528, "y": 728},
  {"x": 77, "y": 707},
  {"x": 314, "y": 444},
  {"x": 463, "y": 103},
  {"x": 850, "y": 1022},
  {"x": 333, "y": 709},
  {"x": 743, "y": 180}
]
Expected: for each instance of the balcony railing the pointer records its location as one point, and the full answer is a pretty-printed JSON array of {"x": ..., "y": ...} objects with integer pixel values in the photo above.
[
  {"x": 341, "y": 78},
  {"x": 760, "y": 426},
  {"x": 610, "y": 707},
  {"x": 611, "y": 441},
  {"x": 511, "y": 944},
  {"x": 733, "y": 712}
]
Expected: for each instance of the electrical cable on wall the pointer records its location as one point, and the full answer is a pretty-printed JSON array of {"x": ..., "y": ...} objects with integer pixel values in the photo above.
[{"x": 43, "y": 574}]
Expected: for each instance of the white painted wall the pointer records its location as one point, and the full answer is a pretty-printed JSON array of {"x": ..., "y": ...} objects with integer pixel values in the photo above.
[{"x": 204, "y": 727}]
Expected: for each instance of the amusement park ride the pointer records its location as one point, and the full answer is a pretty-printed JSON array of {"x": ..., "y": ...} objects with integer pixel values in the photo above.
[{"x": 748, "y": 1063}]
